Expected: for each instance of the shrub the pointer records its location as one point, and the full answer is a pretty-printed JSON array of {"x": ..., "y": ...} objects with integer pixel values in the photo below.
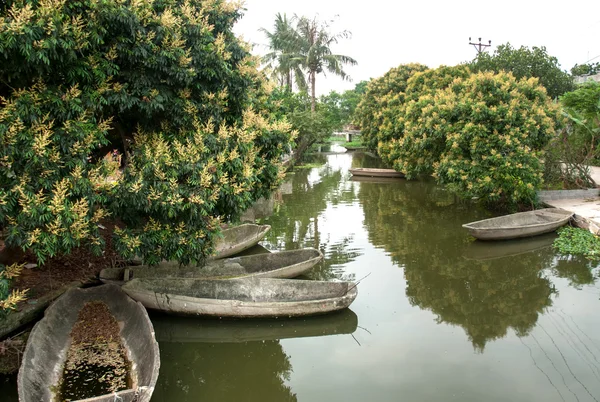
[
  {"x": 376, "y": 111},
  {"x": 482, "y": 136},
  {"x": 165, "y": 82},
  {"x": 413, "y": 147},
  {"x": 496, "y": 128}
]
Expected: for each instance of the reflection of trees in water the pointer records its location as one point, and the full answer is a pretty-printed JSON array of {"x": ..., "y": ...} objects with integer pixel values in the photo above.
[
  {"x": 576, "y": 269},
  {"x": 251, "y": 371},
  {"x": 419, "y": 224},
  {"x": 295, "y": 225}
]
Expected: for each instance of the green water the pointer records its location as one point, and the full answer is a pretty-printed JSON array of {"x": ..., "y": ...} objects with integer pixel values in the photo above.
[{"x": 438, "y": 316}]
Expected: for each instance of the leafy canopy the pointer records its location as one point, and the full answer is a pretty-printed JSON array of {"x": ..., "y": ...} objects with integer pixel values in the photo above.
[
  {"x": 164, "y": 81},
  {"x": 525, "y": 63}
]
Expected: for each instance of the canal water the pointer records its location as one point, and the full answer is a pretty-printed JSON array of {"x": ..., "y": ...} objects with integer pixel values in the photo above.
[{"x": 438, "y": 317}]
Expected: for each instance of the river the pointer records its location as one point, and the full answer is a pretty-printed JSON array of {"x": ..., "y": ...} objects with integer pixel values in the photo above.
[{"x": 438, "y": 317}]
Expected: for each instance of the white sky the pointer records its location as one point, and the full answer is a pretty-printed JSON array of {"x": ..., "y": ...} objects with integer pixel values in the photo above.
[{"x": 388, "y": 33}]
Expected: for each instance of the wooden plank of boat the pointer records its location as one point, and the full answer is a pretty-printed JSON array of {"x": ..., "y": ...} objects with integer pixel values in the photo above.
[
  {"x": 284, "y": 264},
  {"x": 49, "y": 342},
  {"x": 239, "y": 238},
  {"x": 376, "y": 172},
  {"x": 194, "y": 329},
  {"x": 248, "y": 297},
  {"x": 522, "y": 224}
]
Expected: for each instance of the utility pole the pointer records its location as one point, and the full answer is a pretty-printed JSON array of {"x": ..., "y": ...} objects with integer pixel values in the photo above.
[{"x": 480, "y": 46}]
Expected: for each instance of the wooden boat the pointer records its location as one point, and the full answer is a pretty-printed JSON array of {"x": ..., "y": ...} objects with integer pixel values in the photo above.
[
  {"x": 47, "y": 347},
  {"x": 195, "y": 329},
  {"x": 522, "y": 224},
  {"x": 248, "y": 297},
  {"x": 284, "y": 264},
  {"x": 239, "y": 238},
  {"x": 369, "y": 172}
]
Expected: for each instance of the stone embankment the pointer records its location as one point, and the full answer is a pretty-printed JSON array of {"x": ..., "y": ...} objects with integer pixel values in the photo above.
[{"x": 585, "y": 204}]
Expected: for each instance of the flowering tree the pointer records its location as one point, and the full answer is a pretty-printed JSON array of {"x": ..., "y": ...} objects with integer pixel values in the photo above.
[{"x": 165, "y": 82}]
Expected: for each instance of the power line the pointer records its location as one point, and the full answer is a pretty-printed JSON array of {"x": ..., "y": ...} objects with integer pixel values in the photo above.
[{"x": 480, "y": 46}]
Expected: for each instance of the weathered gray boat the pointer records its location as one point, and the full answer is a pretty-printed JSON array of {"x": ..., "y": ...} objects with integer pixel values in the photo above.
[
  {"x": 239, "y": 238},
  {"x": 248, "y": 297},
  {"x": 285, "y": 264},
  {"x": 210, "y": 330},
  {"x": 522, "y": 224},
  {"x": 49, "y": 342},
  {"x": 370, "y": 172}
]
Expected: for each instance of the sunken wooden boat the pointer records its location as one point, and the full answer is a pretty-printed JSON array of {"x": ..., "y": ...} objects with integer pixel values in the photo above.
[
  {"x": 210, "y": 330},
  {"x": 284, "y": 264},
  {"x": 247, "y": 297},
  {"x": 239, "y": 238},
  {"x": 522, "y": 224},
  {"x": 369, "y": 172},
  {"x": 46, "y": 352}
]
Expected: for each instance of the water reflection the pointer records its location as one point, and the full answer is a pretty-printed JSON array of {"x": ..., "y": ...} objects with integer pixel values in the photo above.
[
  {"x": 296, "y": 223},
  {"x": 194, "y": 329},
  {"x": 248, "y": 371},
  {"x": 417, "y": 224}
]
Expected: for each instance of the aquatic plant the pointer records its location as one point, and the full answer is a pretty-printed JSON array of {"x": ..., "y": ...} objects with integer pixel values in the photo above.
[{"x": 576, "y": 241}]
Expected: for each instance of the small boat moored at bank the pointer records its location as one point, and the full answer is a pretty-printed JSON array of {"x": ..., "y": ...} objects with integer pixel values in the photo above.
[
  {"x": 371, "y": 172},
  {"x": 239, "y": 238},
  {"x": 522, "y": 224},
  {"x": 284, "y": 264},
  {"x": 41, "y": 373},
  {"x": 247, "y": 297}
]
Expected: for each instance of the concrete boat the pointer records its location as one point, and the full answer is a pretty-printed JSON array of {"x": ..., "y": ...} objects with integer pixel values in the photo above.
[
  {"x": 369, "y": 172},
  {"x": 210, "y": 330},
  {"x": 248, "y": 297},
  {"x": 284, "y": 264},
  {"x": 46, "y": 351},
  {"x": 522, "y": 224},
  {"x": 239, "y": 238}
]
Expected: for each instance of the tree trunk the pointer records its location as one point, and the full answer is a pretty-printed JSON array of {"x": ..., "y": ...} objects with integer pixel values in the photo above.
[{"x": 312, "y": 88}]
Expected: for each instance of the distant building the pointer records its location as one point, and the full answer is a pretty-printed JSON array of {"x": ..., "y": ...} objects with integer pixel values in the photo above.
[{"x": 586, "y": 78}]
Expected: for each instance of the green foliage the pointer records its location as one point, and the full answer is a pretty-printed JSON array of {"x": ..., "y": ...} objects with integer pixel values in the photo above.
[
  {"x": 375, "y": 112},
  {"x": 575, "y": 241},
  {"x": 526, "y": 63},
  {"x": 482, "y": 136},
  {"x": 585, "y": 69},
  {"x": 577, "y": 145},
  {"x": 309, "y": 127},
  {"x": 417, "y": 156},
  {"x": 8, "y": 299},
  {"x": 164, "y": 81}
]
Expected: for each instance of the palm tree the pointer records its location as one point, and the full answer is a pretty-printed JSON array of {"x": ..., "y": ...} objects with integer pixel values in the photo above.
[
  {"x": 305, "y": 48},
  {"x": 282, "y": 46},
  {"x": 314, "y": 42}
]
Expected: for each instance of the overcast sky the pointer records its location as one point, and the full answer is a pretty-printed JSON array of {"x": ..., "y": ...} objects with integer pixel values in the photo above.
[{"x": 388, "y": 33}]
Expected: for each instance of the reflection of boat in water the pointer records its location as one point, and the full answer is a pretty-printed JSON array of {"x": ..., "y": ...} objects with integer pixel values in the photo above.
[
  {"x": 193, "y": 329},
  {"x": 522, "y": 224},
  {"x": 371, "y": 179},
  {"x": 372, "y": 172},
  {"x": 478, "y": 250}
]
